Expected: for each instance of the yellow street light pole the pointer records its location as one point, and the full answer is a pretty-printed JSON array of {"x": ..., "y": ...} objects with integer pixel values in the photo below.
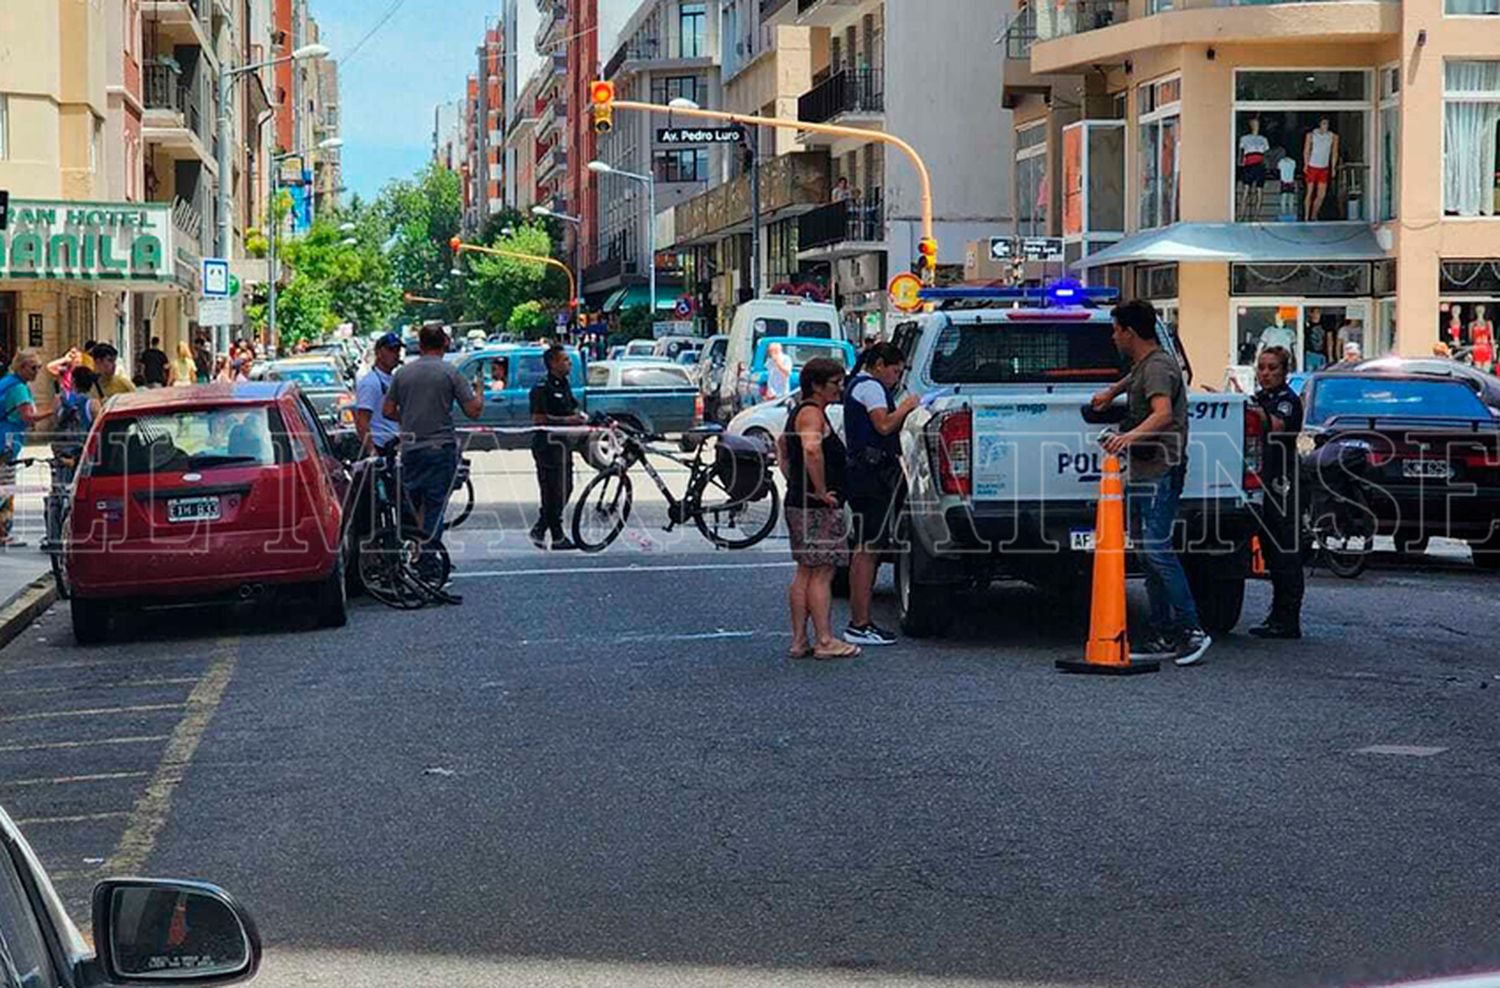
[
  {"x": 409, "y": 297},
  {"x": 459, "y": 247},
  {"x": 929, "y": 246}
]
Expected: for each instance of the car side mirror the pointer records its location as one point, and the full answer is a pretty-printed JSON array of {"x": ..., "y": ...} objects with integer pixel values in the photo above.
[{"x": 150, "y": 930}]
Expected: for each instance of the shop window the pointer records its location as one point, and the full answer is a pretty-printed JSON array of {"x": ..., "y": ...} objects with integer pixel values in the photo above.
[
  {"x": 1389, "y": 142},
  {"x": 1316, "y": 333},
  {"x": 1383, "y": 277},
  {"x": 1032, "y": 189},
  {"x": 1467, "y": 325},
  {"x": 1301, "y": 86},
  {"x": 1469, "y": 277},
  {"x": 1093, "y": 177},
  {"x": 1156, "y": 281},
  {"x": 1329, "y": 279},
  {"x": 1471, "y": 111},
  {"x": 1158, "y": 142},
  {"x": 1385, "y": 327}
]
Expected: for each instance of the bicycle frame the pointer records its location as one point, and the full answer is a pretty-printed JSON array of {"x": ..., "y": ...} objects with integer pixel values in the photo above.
[{"x": 637, "y": 450}]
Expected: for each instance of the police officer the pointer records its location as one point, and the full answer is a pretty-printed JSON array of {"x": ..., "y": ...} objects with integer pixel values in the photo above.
[
  {"x": 1281, "y": 525},
  {"x": 552, "y": 403}
]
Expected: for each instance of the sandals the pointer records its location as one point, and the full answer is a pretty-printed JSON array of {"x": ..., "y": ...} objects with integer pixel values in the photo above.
[
  {"x": 836, "y": 650},
  {"x": 805, "y": 652}
]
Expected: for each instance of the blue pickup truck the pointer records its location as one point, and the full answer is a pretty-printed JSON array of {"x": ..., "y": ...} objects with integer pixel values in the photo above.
[{"x": 508, "y": 371}]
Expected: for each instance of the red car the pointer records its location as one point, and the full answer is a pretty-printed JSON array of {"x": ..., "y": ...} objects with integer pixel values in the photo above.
[{"x": 209, "y": 493}]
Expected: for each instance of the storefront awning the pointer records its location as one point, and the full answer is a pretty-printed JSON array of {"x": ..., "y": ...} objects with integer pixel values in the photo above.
[
  {"x": 639, "y": 296},
  {"x": 1260, "y": 243}
]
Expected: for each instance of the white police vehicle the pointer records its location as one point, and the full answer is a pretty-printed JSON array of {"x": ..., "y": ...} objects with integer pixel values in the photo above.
[{"x": 1002, "y": 461}]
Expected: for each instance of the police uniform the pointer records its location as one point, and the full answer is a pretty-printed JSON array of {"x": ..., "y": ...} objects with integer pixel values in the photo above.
[
  {"x": 1281, "y": 523},
  {"x": 552, "y": 396}
]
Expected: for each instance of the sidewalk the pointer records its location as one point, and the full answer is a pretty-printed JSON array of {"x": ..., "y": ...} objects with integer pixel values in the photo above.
[{"x": 26, "y": 586}]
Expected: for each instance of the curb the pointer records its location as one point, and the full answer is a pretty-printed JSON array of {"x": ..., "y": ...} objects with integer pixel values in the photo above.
[{"x": 25, "y": 607}]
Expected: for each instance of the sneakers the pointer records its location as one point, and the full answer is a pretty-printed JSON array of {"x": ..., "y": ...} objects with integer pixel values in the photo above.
[
  {"x": 1275, "y": 629},
  {"x": 1155, "y": 647},
  {"x": 1192, "y": 646},
  {"x": 868, "y": 635}
]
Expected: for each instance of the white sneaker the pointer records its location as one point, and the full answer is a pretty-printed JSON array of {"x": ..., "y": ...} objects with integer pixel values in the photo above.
[{"x": 1191, "y": 648}]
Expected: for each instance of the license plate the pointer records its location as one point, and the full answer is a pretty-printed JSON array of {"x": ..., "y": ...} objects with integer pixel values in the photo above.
[
  {"x": 180, "y": 509},
  {"x": 1426, "y": 468},
  {"x": 1082, "y": 540}
]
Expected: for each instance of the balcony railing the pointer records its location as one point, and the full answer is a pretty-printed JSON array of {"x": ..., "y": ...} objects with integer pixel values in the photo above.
[
  {"x": 1020, "y": 34},
  {"x": 167, "y": 90},
  {"x": 1348, "y": 197},
  {"x": 847, "y": 91},
  {"x": 803, "y": 6},
  {"x": 1054, "y": 20},
  {"x": 859, "y": 220},
  {"x": 188, "y": 219}
]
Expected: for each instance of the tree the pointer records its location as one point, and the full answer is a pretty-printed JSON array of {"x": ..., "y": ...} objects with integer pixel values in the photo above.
[
  {"x": 529, "y": 321},
  {"x": 416, "y": 219},
  {"x": 495, "y": 286}
]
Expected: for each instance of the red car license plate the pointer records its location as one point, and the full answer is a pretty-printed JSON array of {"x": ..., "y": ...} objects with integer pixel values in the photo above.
[{"x": 186, "y": 509}]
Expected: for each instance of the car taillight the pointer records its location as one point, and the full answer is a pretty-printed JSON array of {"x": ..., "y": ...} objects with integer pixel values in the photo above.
[
  {"x": 698, "y": 409},
  {"x": 955, "y": 436},
  {"x": 1255, "y": 450}
]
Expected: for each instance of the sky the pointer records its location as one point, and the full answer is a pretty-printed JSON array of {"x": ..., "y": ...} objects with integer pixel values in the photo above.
[{"x": 389, "y": 88}]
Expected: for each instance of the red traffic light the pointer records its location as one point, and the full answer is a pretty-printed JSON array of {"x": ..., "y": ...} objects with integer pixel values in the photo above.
[
  {"x": 928, "y": 248},
  {"x": 456, "y": 244},
  {"x": 602, "y": 93}
]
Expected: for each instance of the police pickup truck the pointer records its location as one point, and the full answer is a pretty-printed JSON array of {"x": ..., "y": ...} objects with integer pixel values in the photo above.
[{"x": 1002, "y": 462}]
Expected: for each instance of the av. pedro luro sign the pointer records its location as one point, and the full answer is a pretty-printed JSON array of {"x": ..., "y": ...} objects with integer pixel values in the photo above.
[{"x": 88, "y": 241}]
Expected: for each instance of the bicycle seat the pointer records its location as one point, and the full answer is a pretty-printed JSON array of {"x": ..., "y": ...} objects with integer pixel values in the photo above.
[{"x": 707, "y": 429}]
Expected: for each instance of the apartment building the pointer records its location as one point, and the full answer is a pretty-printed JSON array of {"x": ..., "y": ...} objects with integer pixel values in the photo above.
[
  {"x": 926, "y": 73},
  {"x": 669, "y": 49},
  {"x": 1342, "y": 185},
  {"x": 520, "y": 142},
  {"x": 448, "y": 134},
  {"x": 484, "y": 121},
  {"x": 550, "y": 147}
]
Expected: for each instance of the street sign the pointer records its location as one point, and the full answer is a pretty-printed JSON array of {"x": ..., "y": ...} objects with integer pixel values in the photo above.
[
  {"x": 700, "y": 135},
  {"x": 1001, "y": 248},
  {"x": 4, "y": 208},
  {"x": 906, "y": 292},
  {"x": 1042, "y": 248},
  {"x": 683, "y": 308},
  {"x": 672, "y": 327},
  {"x": 234, "y": 284},
  {"x": 215, "y": 311},
  {"x": 215, "y": 278}
]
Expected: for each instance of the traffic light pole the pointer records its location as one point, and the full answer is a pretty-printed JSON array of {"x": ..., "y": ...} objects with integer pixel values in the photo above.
[
  {"x": 752, "y": 143},
  {"x": 459, "y": 247},
  {"x": 923, "y": 176}
]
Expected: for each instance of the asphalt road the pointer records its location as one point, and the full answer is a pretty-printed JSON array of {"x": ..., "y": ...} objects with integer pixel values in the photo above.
[{"x": 602, "y": 770}]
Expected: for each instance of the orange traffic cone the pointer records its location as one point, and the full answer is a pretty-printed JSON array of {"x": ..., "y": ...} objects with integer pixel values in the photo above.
[
  {"x": 1257, "y": 557},
  {"x": 1108, "y": 649}
]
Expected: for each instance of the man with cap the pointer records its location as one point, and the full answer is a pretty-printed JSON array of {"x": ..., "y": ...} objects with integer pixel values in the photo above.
[{"x": 375, "y": 430}]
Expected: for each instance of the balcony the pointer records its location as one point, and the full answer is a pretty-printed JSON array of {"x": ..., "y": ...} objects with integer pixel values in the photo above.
[
  {"x": 845, "y": 94},
  {"x": 1075, "y": 34},
  {"x": 174, "y": 117},
  {"x": 1019, "y": 37},
  {"x": 790, "y": 185},
  {"x": 609, "y": 272},
  {"x": 554, "y": 113},
  {"x": 554, "y": 162},
  {"x": 842, "y": 229},
  {"x": 828, "y": 13},
  {"x": 177, "y": 22},
  {"x": 554, "y": 20}
]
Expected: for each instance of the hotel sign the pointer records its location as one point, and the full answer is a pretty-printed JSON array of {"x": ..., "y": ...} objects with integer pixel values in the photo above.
[{"x": 89, "y": 241}]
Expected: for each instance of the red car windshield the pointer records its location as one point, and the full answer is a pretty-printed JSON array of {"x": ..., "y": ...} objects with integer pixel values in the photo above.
[{"x": 190, "y": 440}]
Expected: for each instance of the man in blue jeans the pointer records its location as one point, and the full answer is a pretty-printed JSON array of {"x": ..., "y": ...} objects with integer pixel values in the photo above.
[
  {"x": 421, "y": 398},
  {"x": 1154, "y": 438}
]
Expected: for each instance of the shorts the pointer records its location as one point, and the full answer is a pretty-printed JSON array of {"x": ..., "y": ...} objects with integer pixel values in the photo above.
[
  {"x": 874, "y": 522},
  {"x": 819, "y": 535},
  {"x": 1288, "y": 186},
  {"x": 1314, "y": 175},
  {"x": 1253, "y": 175}
]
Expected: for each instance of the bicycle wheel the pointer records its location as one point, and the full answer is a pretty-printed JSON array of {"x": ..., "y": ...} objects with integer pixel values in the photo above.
[
  {"x": 730, "y": 523},
  {"x": 383, "y": 559},
  {"x": 460, "y": 504},
  {"x": 56, "y": 511},
  {"x": 602, "y": 511}
]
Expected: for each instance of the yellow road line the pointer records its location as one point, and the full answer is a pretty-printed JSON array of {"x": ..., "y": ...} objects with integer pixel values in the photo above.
[
  {"x": 63, "y": 780},
  {"x": 124, "y": 684},
  {"x": 144, "y": 708},
  {"x": 80, "y": 818},
  {"x": 51, "y": 745},
  {"x": 155, "y": 804}
]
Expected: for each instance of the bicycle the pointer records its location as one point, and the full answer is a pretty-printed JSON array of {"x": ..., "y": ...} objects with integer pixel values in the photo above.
[
  {"x": 56, "y": 506},
  {"x": 461, "y": 497},
  {"x": 395, "y": 564},
  {"x": 732, "y": 498}
]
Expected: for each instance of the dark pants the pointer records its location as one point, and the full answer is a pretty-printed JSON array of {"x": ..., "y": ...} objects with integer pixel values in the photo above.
[
  {"x": 554, "y": 479},
  {"x": 427, "y": 475},
  {"x": 1281, "y": 547}
]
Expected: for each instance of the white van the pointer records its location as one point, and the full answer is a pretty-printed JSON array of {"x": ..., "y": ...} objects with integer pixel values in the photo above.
[{"x": 771, "y": 315}]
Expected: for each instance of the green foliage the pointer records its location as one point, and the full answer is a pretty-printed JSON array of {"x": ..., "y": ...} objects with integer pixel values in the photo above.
[
  {"x": 529, "y": 321},
  {"x": 495, "y": 286},
  {"x": 634, "y": 324},
  {"x": 417, "y": 218}
]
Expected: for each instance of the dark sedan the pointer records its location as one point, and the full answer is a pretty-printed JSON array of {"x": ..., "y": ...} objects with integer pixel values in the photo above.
[
  {"x": 1432, "y": 450},
  {"x": 324, "y": 383}
]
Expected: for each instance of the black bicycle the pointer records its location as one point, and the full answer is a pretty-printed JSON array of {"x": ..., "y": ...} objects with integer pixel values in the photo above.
[
  {"x": 731, "y": 495},
  {"x": 396, "y": 564},
  {"x": 461, "y": 497},
  {"x": 56, "y": 507}
]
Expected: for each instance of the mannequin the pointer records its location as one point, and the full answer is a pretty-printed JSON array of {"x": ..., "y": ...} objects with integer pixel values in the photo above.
[
  {"x": 1315, "y": 340},
  {"x": 1253, "y": 148},
  {"x": 1320, "y": 158},
  {"x": 1286, "y": 170},
  {"x": 1279, "y": 334},
  {"x": 1455, "y": 325},
  {"x": 1482, "y": 338}
]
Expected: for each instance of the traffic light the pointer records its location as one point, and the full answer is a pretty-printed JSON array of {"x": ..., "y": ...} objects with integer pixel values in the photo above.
[
  {"x": 602, "y": 95},
  {"x": 927, "y": 249}
]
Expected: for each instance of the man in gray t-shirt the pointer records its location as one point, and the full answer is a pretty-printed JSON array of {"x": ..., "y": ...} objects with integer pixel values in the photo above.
[{"x": 421, "y": 400}]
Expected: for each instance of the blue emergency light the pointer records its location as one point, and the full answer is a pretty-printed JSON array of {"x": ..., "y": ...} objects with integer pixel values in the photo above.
[{"x": 1060, "y": 293}]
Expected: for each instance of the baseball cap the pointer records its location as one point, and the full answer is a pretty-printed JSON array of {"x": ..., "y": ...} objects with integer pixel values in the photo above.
[{"x": 389, "y": 341}]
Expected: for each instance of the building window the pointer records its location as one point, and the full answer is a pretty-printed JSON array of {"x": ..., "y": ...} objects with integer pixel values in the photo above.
[
  {"x": 1156, "y": 281},
  {"x": 1301, "y": 143},
  {"x": 1316, "y": 332},
  {"x": 1330, "y": 278},
  {"x": 1390, "y": 141},
  {"x": 692, "y": 22},
  {"x": 675, "y": 86},
  {"x": 1160, "y": 136},
  {"x": 1471, "y": 110},
  {"x": 687, "y": 165},
  {"x": 4, "y": 127},
  {"x": 1462, "y": 7},
  {"x": 1032, "y": 190}
]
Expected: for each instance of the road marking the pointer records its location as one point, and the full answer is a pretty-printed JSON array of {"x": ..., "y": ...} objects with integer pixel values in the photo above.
[
  {"x": 144, "y": 708},
  {"x": 80, "y": 818},
  {"x": 94, "y": 664},
  {"x": 151, "y": 810},
  {"x": 63, "y": 780},
  {"x": 121, "y": 685},
  {"x": 1410, "y": 750},
  {"x": 688, "y": 567},
  {"x": 639, "y": 639},
  {"x": 50, "y": 745}
]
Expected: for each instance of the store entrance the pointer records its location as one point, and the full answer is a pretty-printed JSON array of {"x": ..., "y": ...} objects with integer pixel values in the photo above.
[{"x": 1315, "y": 331}]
